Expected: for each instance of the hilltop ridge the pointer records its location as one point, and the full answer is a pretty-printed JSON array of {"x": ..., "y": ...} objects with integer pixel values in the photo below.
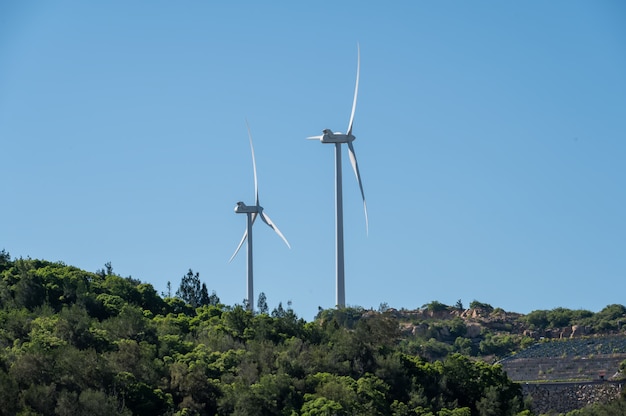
[{"x": 481, "y": 330}]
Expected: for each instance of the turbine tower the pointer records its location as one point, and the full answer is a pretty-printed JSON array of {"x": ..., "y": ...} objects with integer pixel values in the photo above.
[
  {"x": 338, "y": 139},
  {"x": 252, "y": 211}
]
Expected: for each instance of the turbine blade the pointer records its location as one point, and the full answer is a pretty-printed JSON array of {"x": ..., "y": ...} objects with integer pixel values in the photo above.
[
  {"x": 245, "y": 235},
  {"x": 355, "y": 167},
  {"x": 256, "y": 185},
  {"x": 315, "y": 137},
  {"x": 356, "y": 88},
  {"x": 269, "y": 222}
]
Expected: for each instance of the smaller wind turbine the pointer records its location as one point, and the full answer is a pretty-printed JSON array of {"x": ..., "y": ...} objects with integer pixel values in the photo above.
[{"x": 252, "y": 211}]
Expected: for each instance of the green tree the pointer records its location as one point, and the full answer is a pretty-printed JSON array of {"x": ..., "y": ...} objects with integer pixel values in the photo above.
[
  {"x": 29, "y": 291},
  {"x": 9, "y": 392},
  {"x": 372, "y": 393},
  {"x": 150, "y": 299},
  {"x": 262, "y": 303},
  {"x": 436, "y": 306},
  {"x": 480, "y": 305},
  {"x": 537, "y": 319},
  {"x": 204, "y": 296},
  {"x": 189, "y": 289},
  {"x": 124, "y": 287},
  {"x": 95, "y": 403},
  {"x": 141, "y": 398},
  {"x": 609, "y": 318},
  {"x": 195, "y": 293},
  {"x": 107, "y": 271},
  {"x": 192, "y": 388},
  {"x": 337, "y": 389},
  {"x": 462, "y": 411},
  {"x": 489, "y": 404},
  {"x": 433, "y": 349},
  {"x": 463, "y": 346},
  {"x": 321, "y": 406},
  {"x": 5, "y": 260},
  {"x": 168, "y": 290}
]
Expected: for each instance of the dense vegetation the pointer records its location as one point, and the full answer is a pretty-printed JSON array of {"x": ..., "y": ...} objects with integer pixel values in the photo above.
[
  {"x": 610, "y": 318},
  {"x": 74, "y": 342},
  {"x": 492, "y": 333}
]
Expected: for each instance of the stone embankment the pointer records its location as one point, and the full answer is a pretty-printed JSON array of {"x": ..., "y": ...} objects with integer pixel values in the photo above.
[
  {"x": 565, "y": 397},
  {"x": 563, "y": 368}
]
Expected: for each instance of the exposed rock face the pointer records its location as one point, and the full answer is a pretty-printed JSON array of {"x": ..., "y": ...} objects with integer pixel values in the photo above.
[
  {"x": 575, "y": 331},
  {"x": 420, "y": 330},
  {"x": 473, "y": 330},
  {"x": 578, "y": 331}
]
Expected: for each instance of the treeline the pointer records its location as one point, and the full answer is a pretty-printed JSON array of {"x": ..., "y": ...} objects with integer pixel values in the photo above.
[
  {"x": 79, "y": 343},
  {"x": 500, "y": 333},
  {"x": 609, "y": 319}
]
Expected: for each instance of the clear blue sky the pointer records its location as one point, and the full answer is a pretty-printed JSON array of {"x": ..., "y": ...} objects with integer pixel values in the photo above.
[{"x": 491, "y": 138}]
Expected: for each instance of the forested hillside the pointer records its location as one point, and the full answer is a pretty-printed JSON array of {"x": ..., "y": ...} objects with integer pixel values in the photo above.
[{"x": 74, "y": 342}]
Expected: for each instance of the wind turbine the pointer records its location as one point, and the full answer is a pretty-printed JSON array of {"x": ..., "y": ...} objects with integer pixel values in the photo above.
[
  {"x": 252, "y": 211},
  {"x": 338, "y": 139}
]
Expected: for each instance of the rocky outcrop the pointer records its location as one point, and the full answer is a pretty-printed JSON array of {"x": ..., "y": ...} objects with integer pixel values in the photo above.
[
  {"x": 433, "y": 323},
  {"x": 575, "y": 331}
]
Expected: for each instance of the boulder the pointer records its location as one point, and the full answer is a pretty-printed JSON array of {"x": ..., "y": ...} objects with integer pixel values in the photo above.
[
  {"x": 566, "y": 333},
  {"x": 578, "y": 331},
  {"x": 530, "y": 333},
  {"x": 473, "y": 330},
  {"x": 420, "y": 330}
]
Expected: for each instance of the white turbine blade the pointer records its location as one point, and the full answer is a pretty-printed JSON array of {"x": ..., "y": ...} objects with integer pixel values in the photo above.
[
  {"x": 269, "y": 222},
  {"x": 256, "y": 185},
  {"x": 356, "y": 88},
  {"x": 355, "y": 167},
  {"x": 245, "y": 235},
  {"x": 315, "y": 137}
]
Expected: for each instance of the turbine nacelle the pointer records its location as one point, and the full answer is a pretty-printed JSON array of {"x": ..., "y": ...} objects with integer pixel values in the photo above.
[
  {"x": 334, "y": 137},
  {"x": 242, "y": 208}
]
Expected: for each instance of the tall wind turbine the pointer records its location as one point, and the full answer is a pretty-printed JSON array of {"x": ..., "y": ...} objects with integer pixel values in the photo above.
[
  {"x": 252, "y": 211},
  {"x": 338, "y": 139}
]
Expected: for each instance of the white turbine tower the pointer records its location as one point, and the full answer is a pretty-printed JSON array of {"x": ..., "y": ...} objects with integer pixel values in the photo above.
[
  {"x": 338, "y": 139},
  {"x": 252, "y": 211}
]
